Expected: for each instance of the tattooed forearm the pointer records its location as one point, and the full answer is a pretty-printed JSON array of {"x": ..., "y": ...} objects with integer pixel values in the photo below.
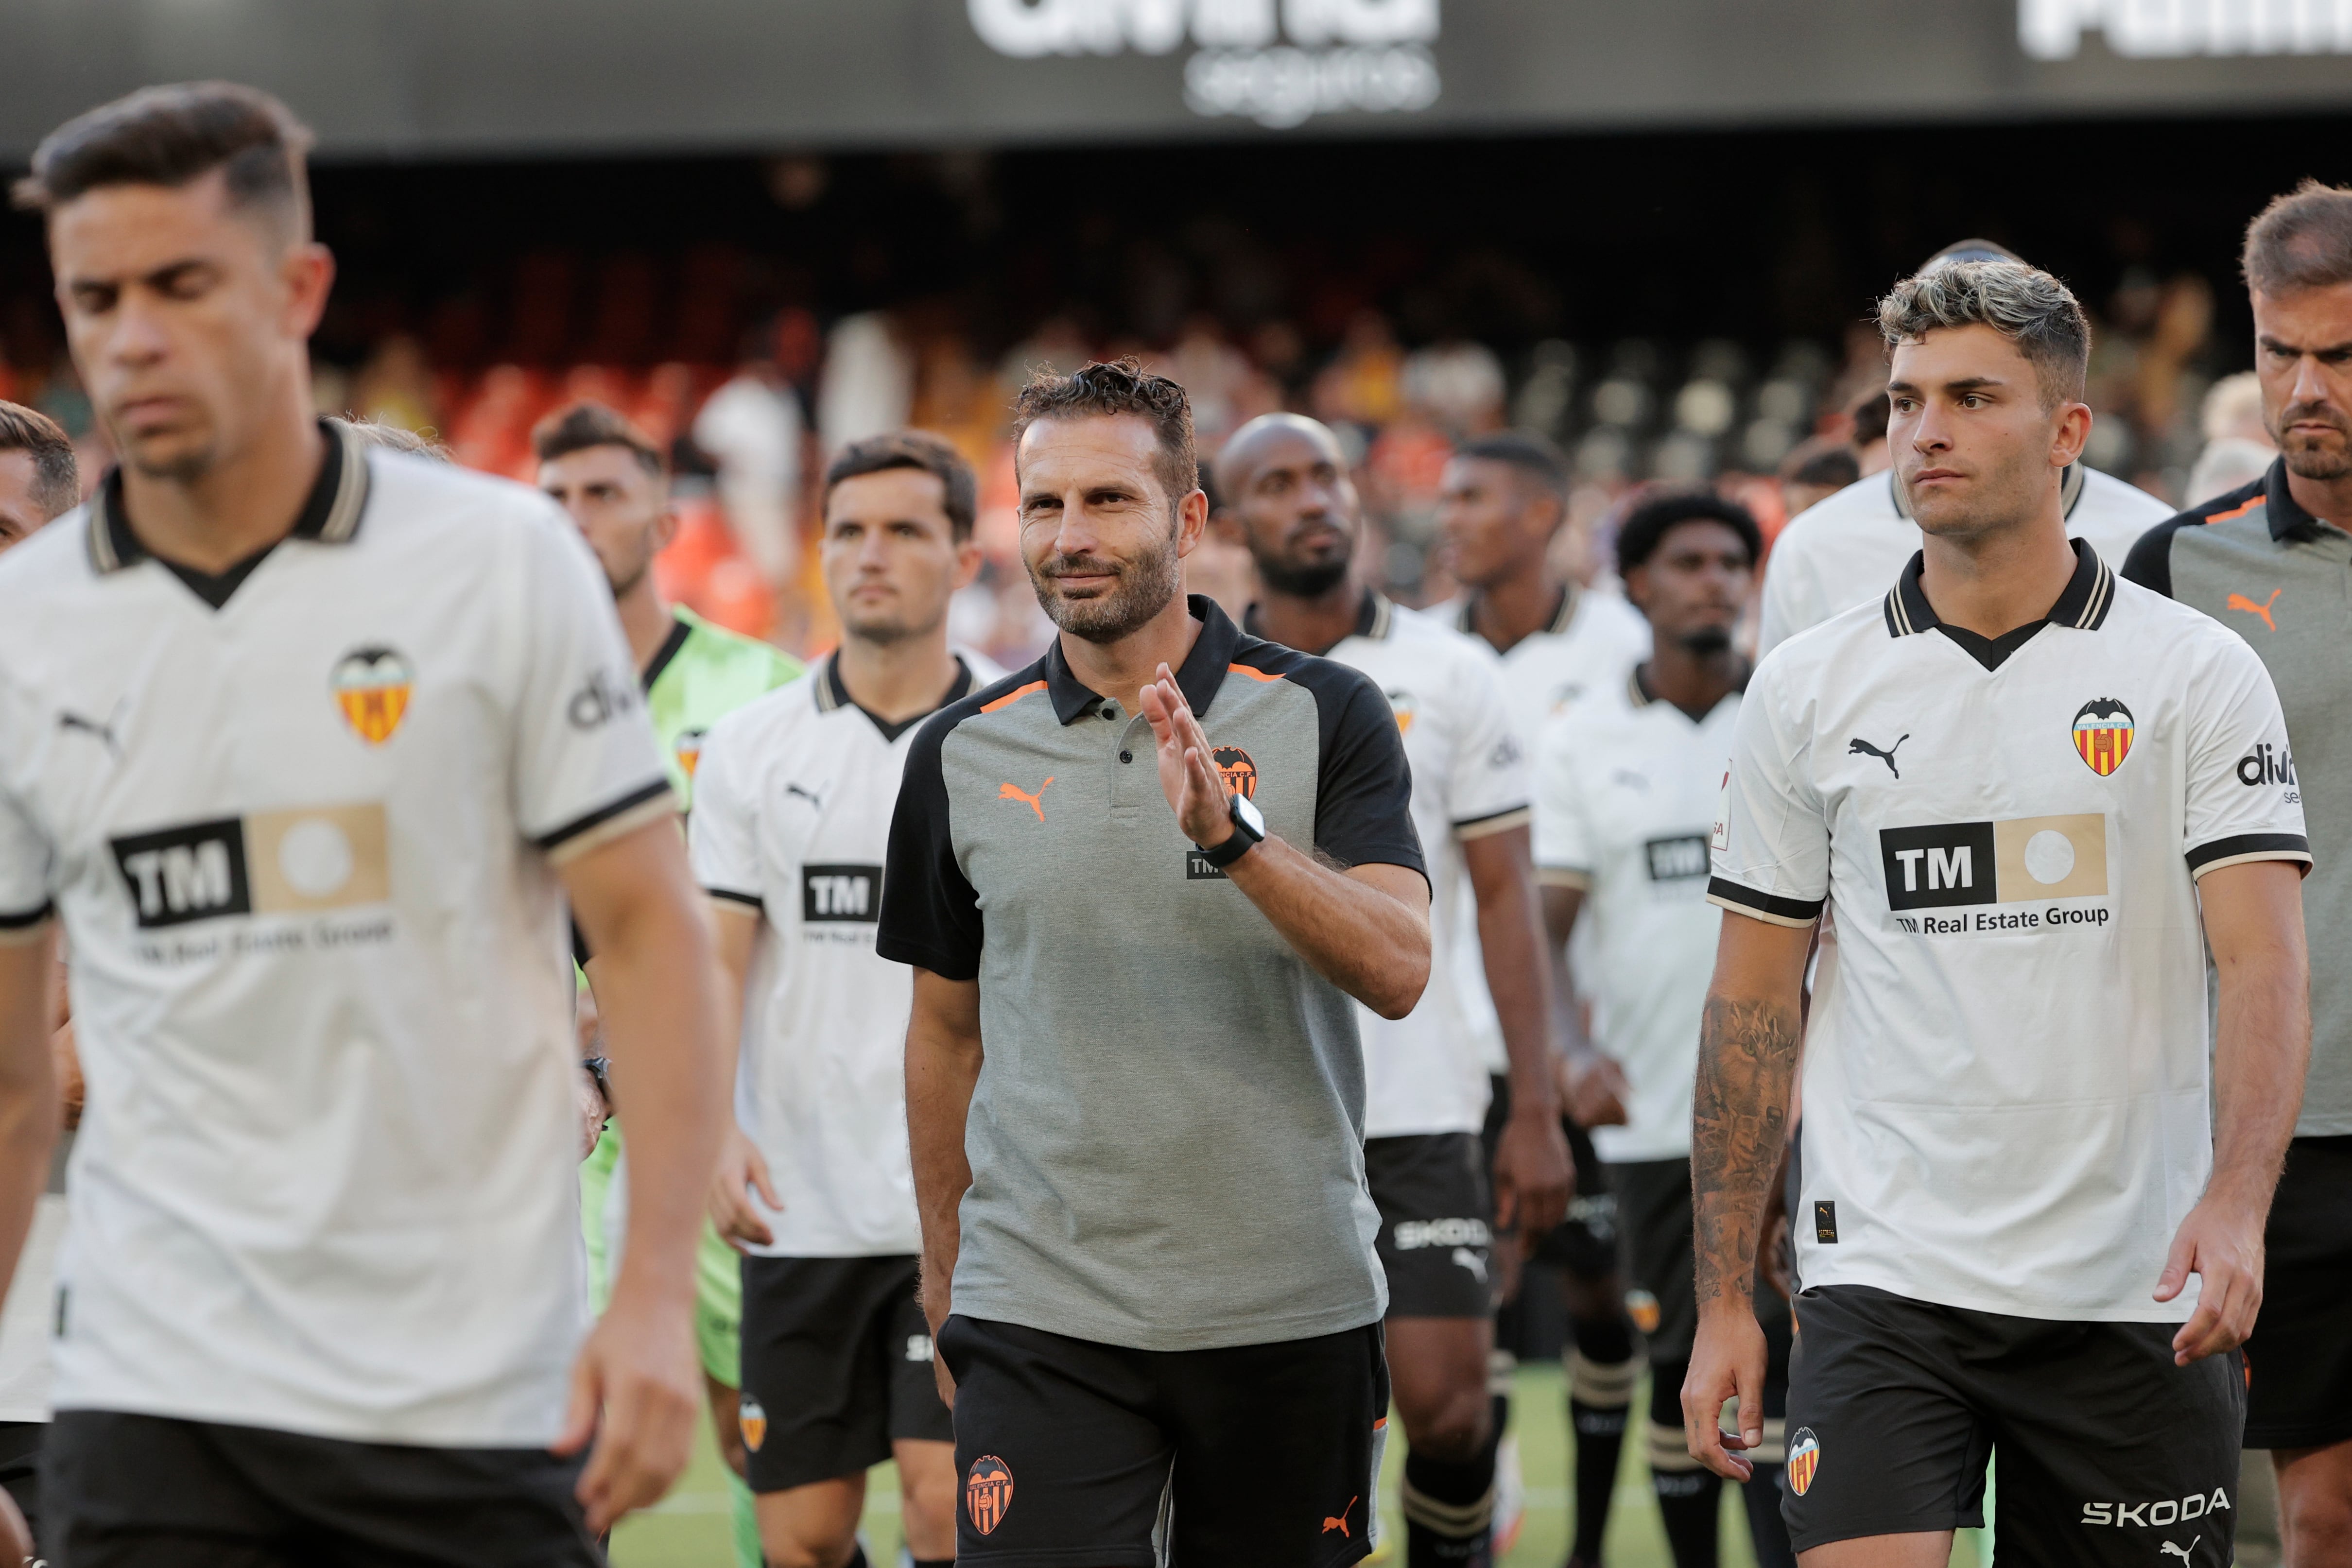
[{"x": 1748, "y": 1050}]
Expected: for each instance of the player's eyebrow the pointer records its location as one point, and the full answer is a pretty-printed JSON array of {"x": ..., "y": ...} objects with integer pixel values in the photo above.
[{"x": 2329, "y": 351}]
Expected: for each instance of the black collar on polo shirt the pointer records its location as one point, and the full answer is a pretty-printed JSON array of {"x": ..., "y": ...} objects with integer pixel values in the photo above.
[
  {"x": 330, "y": 515},
  {"x": 1375, "y": 614},
  {"x": 2287, "y": 518},
  {"x": 1203, "y": 673},
  {"x": 2082, "y": 606}
]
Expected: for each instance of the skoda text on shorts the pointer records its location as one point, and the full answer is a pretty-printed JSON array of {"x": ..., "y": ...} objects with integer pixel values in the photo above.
[
  {"x": 1291, "y": 503},
  {"x": 1135, "y": 1092},
  {"x": 1626, "y": 787},
  {"x": 791, "y": 829},
  {"x": 2267, "y": 561},
  {"x": 312, "y": 857},
  {"x": 2018, "y": 1001}
]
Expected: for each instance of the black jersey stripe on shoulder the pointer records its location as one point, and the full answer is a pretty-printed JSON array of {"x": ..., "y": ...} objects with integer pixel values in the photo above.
[
  {"x": 732, "y": 896},
  {"x": 2149, "y": 562}
]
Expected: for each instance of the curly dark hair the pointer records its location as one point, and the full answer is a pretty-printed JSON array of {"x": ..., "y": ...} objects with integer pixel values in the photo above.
[
  {"x": 1646, "y": 526},
  {"x": 1115, "y": 387}
]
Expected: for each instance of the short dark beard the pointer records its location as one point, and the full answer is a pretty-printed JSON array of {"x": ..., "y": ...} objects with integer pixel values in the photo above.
[
  {"x": 1302, "y": 581},
  {"x": 185, "y": 469},
  {"x": 1145, "y": 585},
  {"x": 1706, "y": 642},
  {"x": 2320, "y": 462}
]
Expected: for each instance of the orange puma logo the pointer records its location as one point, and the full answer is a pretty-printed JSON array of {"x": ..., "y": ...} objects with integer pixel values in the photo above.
[
  {"x": 1014, "y": 792},
  {"x": 2239, "y": 601},
  {"x": 1340, "y": 1523}
]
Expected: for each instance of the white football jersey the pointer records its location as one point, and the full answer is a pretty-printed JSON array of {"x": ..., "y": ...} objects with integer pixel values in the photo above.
[
  {"x": 300, "y": 822},
  {"x": 1426, "y": 1072},
  {"x": 792, "y": 802},
  {"x": 2006, "y": 1086},
  {"x": 1625, "y": 799},
  {"x": 1849, "y": 548},
  {"x": 1590, "y": 649}
]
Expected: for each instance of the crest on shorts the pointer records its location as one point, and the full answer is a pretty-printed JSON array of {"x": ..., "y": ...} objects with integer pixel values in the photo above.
[
  {"x": 1642, "y": 1308},
  {"x": 988, "y": 1492},
  {"x": 754, "y": 1422},
  {"x": 1804, "y": 1460},
  {"x": 1239, "y": 770},
  {"x": 2103, "y": 734},
  {"x": 371, "y": 686}
]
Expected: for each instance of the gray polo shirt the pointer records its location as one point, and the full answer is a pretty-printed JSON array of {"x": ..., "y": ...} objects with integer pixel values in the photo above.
[
  {"x": 2274, "y": 574},
  {"x": 1167, "y": 1136}
]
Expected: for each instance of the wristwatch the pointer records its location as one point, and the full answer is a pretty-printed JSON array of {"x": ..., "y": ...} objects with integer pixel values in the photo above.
[{"x": 1249, "y": 828}]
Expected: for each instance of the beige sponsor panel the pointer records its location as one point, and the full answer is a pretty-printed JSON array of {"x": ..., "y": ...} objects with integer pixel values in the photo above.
[
  {"x": 2051, "y": 857},
  {"x": 309, "y": 858}
]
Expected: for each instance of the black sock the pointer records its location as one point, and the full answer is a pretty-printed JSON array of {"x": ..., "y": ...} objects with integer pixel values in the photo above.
[
  {"x": 1761, "y": 1492},
  {"x": 1449, "y": 1509},
  {"x": 1600, "y": 1373},
  {"x": 1690, "y": 1496}
]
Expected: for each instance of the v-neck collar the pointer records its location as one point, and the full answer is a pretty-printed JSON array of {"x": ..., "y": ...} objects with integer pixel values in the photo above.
[
  {"x": 833, "y": 695},
  {"x": 2083, "y": 607},
  {"x": 331, "y": 515}
]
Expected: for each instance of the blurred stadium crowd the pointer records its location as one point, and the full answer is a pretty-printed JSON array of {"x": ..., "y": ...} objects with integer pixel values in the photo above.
[{"x": 1403, "y": 347}]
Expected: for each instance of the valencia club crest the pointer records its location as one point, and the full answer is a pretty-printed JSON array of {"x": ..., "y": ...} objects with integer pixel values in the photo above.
[{"x": 2103, "y": 734}]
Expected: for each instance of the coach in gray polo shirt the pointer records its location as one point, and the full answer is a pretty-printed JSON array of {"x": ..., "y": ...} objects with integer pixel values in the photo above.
[
  {"x": 1140, "y": 882},
  {"x": 2270, "y": 561}
]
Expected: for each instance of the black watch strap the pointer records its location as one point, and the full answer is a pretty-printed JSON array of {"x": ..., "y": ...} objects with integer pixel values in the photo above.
[{"x": 1238, "y": 844}]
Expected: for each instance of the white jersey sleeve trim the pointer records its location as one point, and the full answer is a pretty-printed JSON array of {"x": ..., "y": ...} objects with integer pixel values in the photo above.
[
  {"x": 729, "y": 896},
  {"x": 1495, "y": 822},
  {"x": 650, "y": 803},
  {"x": 16, "y": 928},
  {"x": 2243, "y": 847},
  {"x": 1764, "y": 906}
]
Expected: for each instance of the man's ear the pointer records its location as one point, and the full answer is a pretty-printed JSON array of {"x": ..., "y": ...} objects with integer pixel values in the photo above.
[
  {"x": 969, "y": 557},
  {"x": 665, "y": 527},
  {"x": 2074, "y": 433},
  {"x": 1191, "y": 522},
  {"x": 1637, "y": 588}
]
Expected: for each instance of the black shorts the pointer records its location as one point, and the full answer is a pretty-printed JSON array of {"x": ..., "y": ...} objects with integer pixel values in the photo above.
[
  {"x": 20, "y": 1472},
  {"x": 1436, "y": 1237},
  {"x": 1076, "y": 1455},
  {"x": 2299, "y": 1360},
  {"x": 145, "y": 1491},
  {"x": 836, "y": 1367},
  {"x": 2107, "y": 1453},
  {"x": 1654, "y": 1228}
]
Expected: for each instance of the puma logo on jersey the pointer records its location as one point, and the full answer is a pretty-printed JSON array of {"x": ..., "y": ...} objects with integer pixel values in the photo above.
[
  {"x": 817, "y": 803},
  {"x": 1034, "y": 802},
  {"x": 1340, "y": 1521},
  {"x": 2239, "y": 601},
  {"x": 1857, "y": 746},
  {"x": 1466, "y": 1259},
  {"x": 2168, "y": 1549},
  {"x": 91, "y": 727}
]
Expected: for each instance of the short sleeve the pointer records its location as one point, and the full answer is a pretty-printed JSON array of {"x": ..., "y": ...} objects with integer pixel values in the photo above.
[
  {"x": 1771, "y": 842},
  {"x": 1783, "y": 612},
  {"x": 930, "y": 912},
  {"x": 2245, "y": 802},
  {"x": 587, "y": 768},
  {"x": 1488, "y": 791},
  {"x": 26, "y": 864},
  {"x": 1564, "y": 850},
  {"x": 723, "y": 830},
  {"x": 1363, "y": 794}
]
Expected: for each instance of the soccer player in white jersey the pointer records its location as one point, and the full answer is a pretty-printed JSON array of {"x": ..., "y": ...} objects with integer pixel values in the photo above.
[
  {"x": 791, "y": 818},
  {"x": 1846, "y": 550},
  {"x": 39, "y": 482},
  {"x": 1292, "y": 504},
  {"x": 1626, "y": 785},
  {"x": 304, "y": 746},
  {"x": 1502, "y": 502},
  {"x": 2031, "y": 1200}
]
